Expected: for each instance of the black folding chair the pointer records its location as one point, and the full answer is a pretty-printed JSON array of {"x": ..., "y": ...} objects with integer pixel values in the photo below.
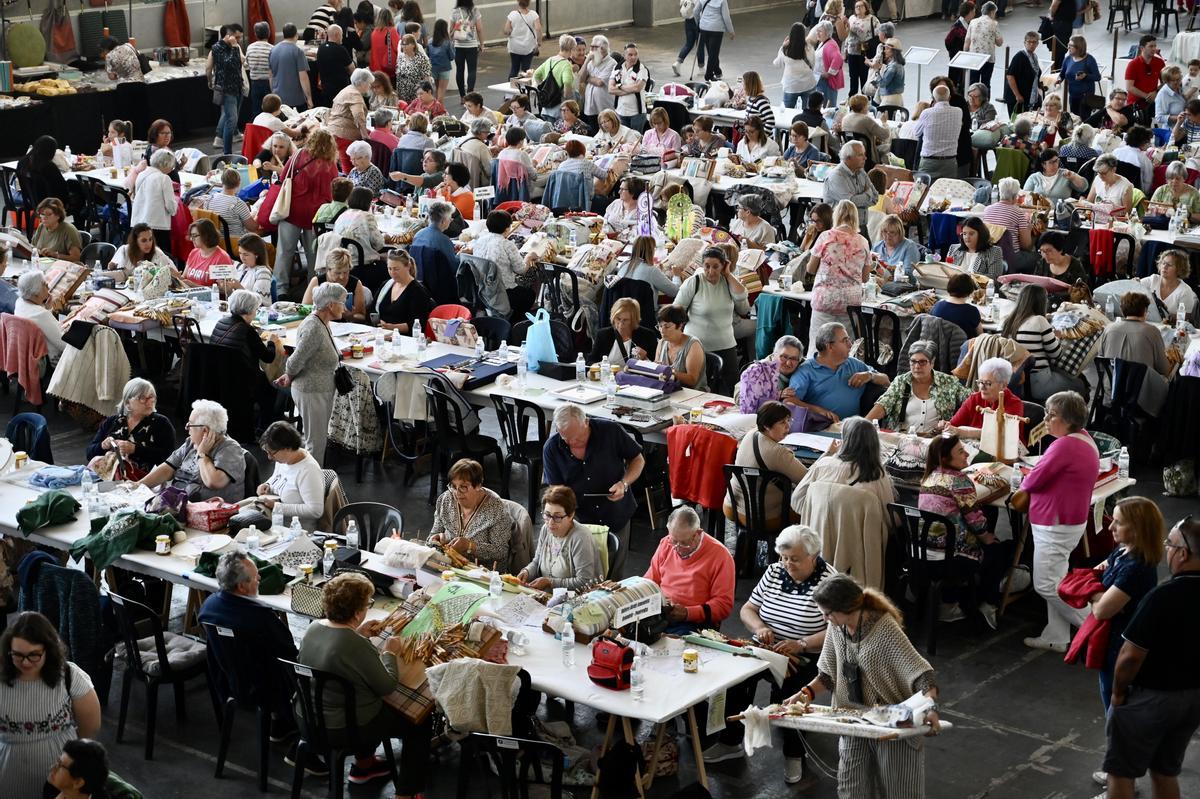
[
  {"x": 752, "y": 484},
  {"x": 868, "y": 324},
  {"x": 514, "y": 416},
  {"x": 517, "y": 762},
  {"x": 235, "y": 680}
]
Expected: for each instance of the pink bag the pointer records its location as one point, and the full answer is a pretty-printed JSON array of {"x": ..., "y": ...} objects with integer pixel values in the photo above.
[{"x": 210, "y": 515}]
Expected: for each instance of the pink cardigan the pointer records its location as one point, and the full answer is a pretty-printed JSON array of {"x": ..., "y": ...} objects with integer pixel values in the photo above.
[
  {"x": 833, "y": 63},
  {"x": 22, "y": 345},
  {"x": 1060, "y": 486}
]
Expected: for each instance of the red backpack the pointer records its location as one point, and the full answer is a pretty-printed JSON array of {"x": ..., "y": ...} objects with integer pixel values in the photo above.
[{"x": 611, "y": 664}]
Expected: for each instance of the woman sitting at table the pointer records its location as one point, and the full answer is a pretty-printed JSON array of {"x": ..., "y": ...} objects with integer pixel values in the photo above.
[
  {"x": 983, "y": 114},
  {"x": 621, "y": 215},
  {"x": 625, "y": 338},
  {"x": 976, "y": 252},
  {"x": 1133, "y": 152},
  {"x": 340, "y": 644},
  {"x": 271, "y": 160},
  {"x": 570, "y": 122},
  {"x": 209, "y": 463},
  {"x": 800, "y": 151},
  {"x": 456, "y": 190},
  {"x": 1053, "y": 119},
  {"x": 139, "y": 247},
  {"x": 1028, "y": 326},
  {"x": 1116, "y": 115},
  {"x": 921, "y": 397},
  {"x": 1021, "y": 138},
  {"x": 358, "y": 222},
  {"x": 33, "y": 296},
  {"x": 143, "y": 437},
  {"x": 859, "y": 120},
  {"x": 518, "y": 274},
  {"x": 761, "y": 450},
  {"x": 640, "y": 266},
  {"x": 683, "y": 353},
  {"x": 40, "y": 175},
  {"x": 566, "y": 555},
  {"x": 1052, "y": 181},
  {"x": 1110, "y": 187},
  {"x": 402, "y": 298},
  {"x": 1057, "y": 261},
  {"x": 383, "y": 93},
  {"x": 755, "y": 144},
  {"x": 749, "y": 226},
  {"x": 660, "y": 139},
  {"x": 471, "y": 518},
  {"x": 855, "y": 460},
  {"x": 55, "y": 236},
  {"x": 705, "y": 143},
  {"x": 957, "y": 307},
  {"x": 578, "y": 163},
  {"x": 978, "y": 556},
  {"x": 426, "y": 103},
  {"x": 897, "y": 253},
  {"x": 337, "y": 270},
  {"x": 1080, "y": 147},
  {"x": 253, "y": 270},
  {"x": 613, "y": 136},
  {"x": 297, "y": 482},
  {"x": 363, "y": 173},
  {"x": 1176, "y": 193},
  {"x": 994, "y": 375},
  {"x": 1168, "y": 287},
  {"x": 206, "y": 253}
]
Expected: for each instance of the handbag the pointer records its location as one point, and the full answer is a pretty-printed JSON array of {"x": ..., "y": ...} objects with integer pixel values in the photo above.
[
  {"x": 342, "y": 380},
  {"x": 539, "y": 341},
  {"x": 306, "y": 598},
  {"x": 282, "y": 207},
  {"x": 611, "y": 664},
  {"x": 805, "y": 421}
]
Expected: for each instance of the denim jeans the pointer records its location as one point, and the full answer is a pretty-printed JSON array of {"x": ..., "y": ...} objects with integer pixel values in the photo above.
[
  {"x": 227, "y": 124},
  {"x": 828, "y": 91},
  {"x": 518, "y": 63},
  {"x": 258, "y": 90},
  {"x": 691, "y": 35},
  {"x": 791, "y": 98},
  {"x": 465, "y": 58},
  {"x": 637, "y": 122}
]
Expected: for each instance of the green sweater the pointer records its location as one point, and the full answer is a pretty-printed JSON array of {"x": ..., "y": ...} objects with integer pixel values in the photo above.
[{"x": 344, "y": 652}]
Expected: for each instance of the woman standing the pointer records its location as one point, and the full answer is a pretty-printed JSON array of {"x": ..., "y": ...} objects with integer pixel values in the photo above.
[
  {"x": 983, "y": 36},
  {"x": 795, "y": 57},
  {"x": 224, "y": 68},
  {"x": 385, "y": 43},
  {"x": 311, "y": 366},
  {"x": 154, "y": 200},
  {"x": 412, "y": 68},
  {"x": 860, "y": 43},
  {"x": 296, "y": 482},
  {"x": 1174, "y": 266},
  {"x": 1060, "y": 497},
  {"x": 840, "y": 261},
  {"x": 402, "y": 298},
  {"x": 1028, "y": 326},
  {"x": 890, "y": 82},
  {"x": 921, "y": 397},
  {"x": 828, "y": 65},
  {"x": 470, "y": 517},
  {"x": 1053, "y": 181},
  {"x": 757, "y": 104},
  {"x": 1081, "y": 72},
  {"x": 566, "y": 555},
  {"x": 441, "y": 57},
  {"x": 143, "y": 437},
  {"x": 206, "y": 253},
  {"x": 867, "y": 660},
  {"x": 466, "y": 30},
  {"x": 523, "y": 28},
  {"x": 712, "y": 17},
  {"x": 312, "y": 170},
  {"x": 46, "y": 700},
  {"x": 683, "y": 353},
  {"x": 712, "y": 297}
]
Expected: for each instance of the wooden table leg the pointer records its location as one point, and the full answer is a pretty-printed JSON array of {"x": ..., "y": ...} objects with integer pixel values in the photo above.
[
  {"x": 608, "y": 734},
  {"x": 629, "y": 739},
  {"x": 696, "y": 750},
  {"x": 658, "y": 739}
]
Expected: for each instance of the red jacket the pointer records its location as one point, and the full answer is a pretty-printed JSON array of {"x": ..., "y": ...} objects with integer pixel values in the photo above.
[
  {"x": 696, "y": 457},
  {"x": 1076, "y": 589},
  {"x": 312, "y": 187}
]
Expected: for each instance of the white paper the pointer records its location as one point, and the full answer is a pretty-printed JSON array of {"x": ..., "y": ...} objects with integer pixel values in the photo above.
[
  {"x": 520, "y": 611},
  {"x": 777, "y": 663},
  {"x": 716, "y": 714},
  {"x": 808, "y": 441}
]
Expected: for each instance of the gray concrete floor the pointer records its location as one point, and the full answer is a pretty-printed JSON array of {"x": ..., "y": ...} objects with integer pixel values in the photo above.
[{"x": 1026, "y": 724}]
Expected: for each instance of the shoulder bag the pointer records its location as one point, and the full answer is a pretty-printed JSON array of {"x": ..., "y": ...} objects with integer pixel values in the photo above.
[
  {"x": 281, "y": 208},
  {"x": 342, "y": 379}
]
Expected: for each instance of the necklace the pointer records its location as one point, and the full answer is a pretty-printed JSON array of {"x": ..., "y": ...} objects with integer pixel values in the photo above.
[{"x": 464, "y": 519}]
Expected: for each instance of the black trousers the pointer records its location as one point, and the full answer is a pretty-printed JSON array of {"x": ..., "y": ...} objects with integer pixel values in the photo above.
[
  {"x": 710, "y": 43},
  {"x": 857, "y": 67}
]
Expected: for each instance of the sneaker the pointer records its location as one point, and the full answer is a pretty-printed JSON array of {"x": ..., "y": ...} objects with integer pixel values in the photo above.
[
  {"x": 237, "y": 137},
  {"x": 951, "y": 612},
  {"x": 1049, "y": 646},
  {"x": 1100, "y": 778},
  {"x": 314, "y": 766},
  {"x": 720, "y": 752},
  {"x": 989, "y": 614},
  {"x": 675, "y": 68},
  {"x": 378, "y": 768},
  {"x": 1021, "y": 580},
  {"x": 793, "y": 770},
  {"x": 218, "y": 142}
]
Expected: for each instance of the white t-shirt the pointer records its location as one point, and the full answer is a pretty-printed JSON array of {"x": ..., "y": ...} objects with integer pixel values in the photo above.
[
  {"x": 300, "y": 488},
  {"x": 1182, "y": 294},
  {"x": 269, "y": 121},
  {"x": 631, "y": 104},
  {"x": 522, "y": 40}
]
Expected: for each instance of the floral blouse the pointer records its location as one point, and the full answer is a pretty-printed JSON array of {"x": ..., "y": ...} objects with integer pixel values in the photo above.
[
  {"x": 947, "y": 394},
  {"x": 410, "y": 72},
  {"x": 951, "y": 493},
  {"x": 838, "y": 283}
]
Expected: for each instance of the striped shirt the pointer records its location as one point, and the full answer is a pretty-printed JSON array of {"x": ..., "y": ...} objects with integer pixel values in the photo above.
[
  {"x": 1012, "y": 218},
  {"x": 1036, "y": 335},
  {"x": 787, "y": 607},
  {"x": 321, "y": 19},
  {"x": 233, "y": 210},
  {"x": 37, "y": 720},
  {"x": 760, "y": 107},
  {"x": 258, "y": 60}
]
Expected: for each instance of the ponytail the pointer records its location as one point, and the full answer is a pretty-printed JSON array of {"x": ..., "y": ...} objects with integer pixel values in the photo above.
[{"x": 877, "y": 602}]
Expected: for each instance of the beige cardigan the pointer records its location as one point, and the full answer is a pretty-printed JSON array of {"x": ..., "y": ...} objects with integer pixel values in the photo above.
[{"x": 853, "y": 526}]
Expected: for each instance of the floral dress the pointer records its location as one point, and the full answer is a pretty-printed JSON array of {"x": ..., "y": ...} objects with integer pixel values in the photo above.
[
  {"x": 838, "y": 283},
  {"x": 35, "y": 722},
  {"x": 410, "y": 72},
  {"x": 951, "y": 493}
]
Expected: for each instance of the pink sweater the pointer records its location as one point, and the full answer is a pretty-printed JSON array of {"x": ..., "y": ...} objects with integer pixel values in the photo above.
[
  {"x": 1060, "y": 486},
  {"x": 706, "y": 578}
]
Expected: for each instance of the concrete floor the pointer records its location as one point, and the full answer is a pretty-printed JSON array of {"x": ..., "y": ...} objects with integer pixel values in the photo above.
[{"x": 1026, "y": 724}]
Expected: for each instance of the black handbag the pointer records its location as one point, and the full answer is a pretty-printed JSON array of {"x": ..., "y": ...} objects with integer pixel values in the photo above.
[{"x": 342, "y": 380}]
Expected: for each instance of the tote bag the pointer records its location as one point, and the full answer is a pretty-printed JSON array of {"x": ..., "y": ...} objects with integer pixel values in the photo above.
[{"x": 282, "y": 207}]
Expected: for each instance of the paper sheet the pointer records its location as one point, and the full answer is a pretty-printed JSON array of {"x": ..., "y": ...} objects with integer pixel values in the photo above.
[
  {"x": 522, "y": 611},
  {"x": 808, "y": 441},
  {"x": 716, "y": 714}
]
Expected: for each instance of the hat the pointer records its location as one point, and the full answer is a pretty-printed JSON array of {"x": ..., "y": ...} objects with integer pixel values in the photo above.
[{"x": 894, "y": 43}]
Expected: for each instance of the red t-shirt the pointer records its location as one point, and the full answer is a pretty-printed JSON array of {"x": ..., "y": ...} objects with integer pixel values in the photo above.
[
  {"x": 197, "y": 266},
  {"x": 971, "y": 412},
  {"x": 1146, "y": 77}
]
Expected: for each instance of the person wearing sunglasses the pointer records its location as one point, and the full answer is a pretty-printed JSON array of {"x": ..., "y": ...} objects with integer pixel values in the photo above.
[
  {"x": 567, "y": 555},
  {"x": 696, "y": 574},
  {"x": 1155, "y": 705},
  {"x": 38, "y": 685}
]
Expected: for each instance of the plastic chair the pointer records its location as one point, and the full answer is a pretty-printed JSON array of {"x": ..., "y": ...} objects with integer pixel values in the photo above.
[
  {"x": 407, "y": 440},
  {"x": 221, "y": 224},
  {"x": 408, "y": 161},
  {"x": 677, "y": 112},
  {"x": 254, "y": 139},
  {"x": 85, "y": 239},
  {"x": 22, "y": 210},
  {"x": 233, "y": 668},
  {"x": 866, "y": 323},
  {"x": 901, "y": 113},
  {"x": 30, "y": 433},
  {"x": 228, "y": 159},
  {"x": 359, "y": 254},
  {"x": 713, "y": 366},
  {"x": 134, "y": 619},
  {"x": 514, "y": 761},
  {"x": 752, "y": 484},
  {"x": 652, "y": 480},
  {"x": 561, "y": 306},
  {"x": 100, "y": 251},
  {"x": 452, "y": 440},
  {"x": 493, "y": 329},
  {"x": 375, "y": 520},
  {"x": 312, "y": 691},
  {"x": 447, "y": 311},
  {"x": 917, "y": 570},
  {"x": 514, "y": 416}
]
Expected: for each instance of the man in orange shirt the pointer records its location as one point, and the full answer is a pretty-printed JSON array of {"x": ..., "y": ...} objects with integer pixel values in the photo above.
[{"x": 696, "y": 574}]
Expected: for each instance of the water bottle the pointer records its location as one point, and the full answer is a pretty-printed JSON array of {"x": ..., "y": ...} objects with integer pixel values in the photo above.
[
  {"x": 522, "y": 369},
  {"x": 995, "y": 310},
  {"x": 88, "y": 490},
  {"x": 1110, "y": 307},
  {"x": 1181, "y": 320},
  {"x": 253, "y": 539},
  {"x": 504, "y": 351},
  {"x": 419, "y": 335},
  {"x": 989, "y": 292},
  {"x": 276, "y": 517},
  {"x": 1014, "y": 480},
  {"x": 496, "y": 586},
  {"x": 94, "y": 276},
  {"x": 610, "y": 394},
  {"x": 568, "y": 644},
  {"x": 637, "y": 679},
  {"x": 296, "y": 530},
  {"x": 327, "y": 561},
  {"x": 1123, "y": 462},
  {"x": 35, "y": 256},
  {"x": 605, "y": 371},
  {"x": 574, "y": 239},
  {"x": 352, "y": 534},
  {"x": 580, "y": 369},
  {"x": 380, "y": 342},
  {"x": 480, "y": 350},
  {"x": 761, "y": 556}
]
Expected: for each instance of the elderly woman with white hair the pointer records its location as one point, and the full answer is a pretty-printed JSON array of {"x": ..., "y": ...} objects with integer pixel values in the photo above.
[
  {"x": 993, "y": 392},
  {"x": 237, "y": 332},
  {"x": 782, "y": 616},
  {"x": 32, "y": 296},
  {"x": 311, "y": 366},
  {"x": 1176, "y": 193},
  {"x": 827, "y": 62},
  {"x": 1110, "y": 186},
  {"x": 920, "y": 397},
  {"x": 140, "y": 435},
  {"x": 154, "y": 200},
  {"x": 209, "y": 463},
  {"x": 347, "y": 117},
  {"x": 1018, "y": 235},
  {"x": 363, "y": 173}
]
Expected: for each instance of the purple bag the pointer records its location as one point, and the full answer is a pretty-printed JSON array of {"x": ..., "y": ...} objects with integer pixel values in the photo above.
[
  {"x": 647, "y": 374},
  {"x": 804, "y": 421},
  {"x": 169, "y": 500}
]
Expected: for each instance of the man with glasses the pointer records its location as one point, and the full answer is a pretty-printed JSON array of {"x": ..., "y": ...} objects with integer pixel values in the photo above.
[
  {"x": 599, "y": 461},
  {"x": 696, "y": 574},
  {"x": 832, "y": 384},
  {"x": 1156, "y": 696},
  {"x": 766, "y": 380}
]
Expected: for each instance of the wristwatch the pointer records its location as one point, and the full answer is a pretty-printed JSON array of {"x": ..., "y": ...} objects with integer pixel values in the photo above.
[{"x": 625, "y": 486}]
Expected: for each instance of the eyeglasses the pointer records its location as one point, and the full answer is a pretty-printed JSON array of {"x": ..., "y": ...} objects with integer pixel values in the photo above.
[
  {"x": 554, "y": 517},
  {"x": 665, "y": 325},
  {"x": 984, "y": 383},
  {"x": 193, "y": 235},
  {"x": 460, "y": 488},
  {"x": 789, "y": 358},
  {"x": 785, "y": 559},
  {"x": 190, "y": 426},
  {"x": 28, "y": 657},
  {"x": 918, "y": 362}
]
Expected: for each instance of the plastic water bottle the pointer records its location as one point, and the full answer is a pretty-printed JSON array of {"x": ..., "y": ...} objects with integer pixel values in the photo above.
[
  {"x": 989, "y": 292},
  {"x": 496, "y": 585},
  {"x": 637, "y": 679},
  {"x": 1110, "y": 307},
  {"x": 380, "y": 342},
  {"x": 1014, "y": 480},
  {"x": 505, "y": 352},
  {"x": 35, "y": 256},
  {"x": 1123, "y": 462},
  {"x": 352, "y": 534},
  {"x": 574, "y": 239},
  {"x": 1181, "y": 320},
  {"x": 296, "y": 530},
  {"x": 327, "y": 561},
  {"x": 568, "y": 644},
  {"x": 88, "y": 491},
  {"x": 761, "y": 557},
  {"x": 94, "y": 275},
  {"x": 522, "y": 369},
  {"x": 605, "y": 371},
  {"x": 610, "y": 394},
  {"x": 253, "y": 539},
  {"x": 480, "y": 350},
  {"x": 995, "y": 310},
  {"x": 277, "y": 518},
  {"x": 580, "y": 369},
  {"x": 419, "y": 335}
]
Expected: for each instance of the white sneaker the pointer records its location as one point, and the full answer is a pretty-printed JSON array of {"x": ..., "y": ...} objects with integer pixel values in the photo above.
[
  {"x": 793, "y": 770},
  {"x": 237, "y": 137},
  {"x": 1100, "y": 778},
  {"x": 720, "y": 752},
  {"x": 1021, "y": 580},
  {"x": 951, "y": 612},
  {"x": 675, "y": 68},
  {"x": 218, "y": 142},
  {"x": 1049, "y": 646},
  {"x": 989, "y": 614}
]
